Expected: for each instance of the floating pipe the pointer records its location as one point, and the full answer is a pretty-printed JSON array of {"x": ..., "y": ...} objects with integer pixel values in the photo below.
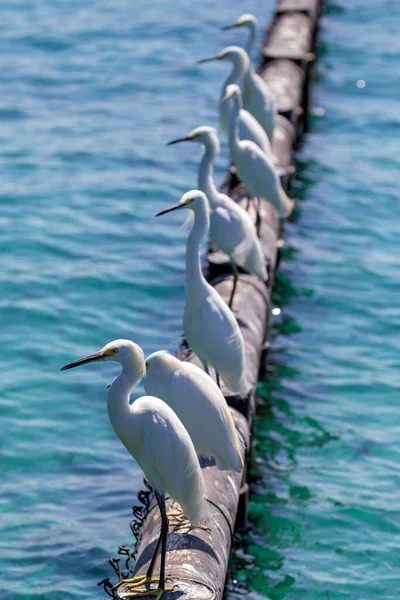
[{"x": 197, "y": 559}]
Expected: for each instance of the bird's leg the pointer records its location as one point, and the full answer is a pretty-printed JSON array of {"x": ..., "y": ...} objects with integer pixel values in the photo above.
[
  {"x": 235, "y": 278},
  {"x": 135, "y": 583},
  {"x": 248, "y": 203},
  {"x": 134, "y": 592},
  {"x": 150, "y": 570},
  {"x": 164, "y": 535},
  {"x": 218, "y": 379},
  {"x": 258, "y": 216}
]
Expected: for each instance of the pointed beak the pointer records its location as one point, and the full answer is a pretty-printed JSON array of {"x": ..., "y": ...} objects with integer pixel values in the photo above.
[
  {"x": 208, "y": 59},
  {"x": 183, "y": 139},
  {"x": 97, "y": 356},
  {"x": 230, "y": 26},
  {"x": 170, "y": 208}
]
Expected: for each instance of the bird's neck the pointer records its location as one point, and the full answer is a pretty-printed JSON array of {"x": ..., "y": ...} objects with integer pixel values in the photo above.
[
  {"x": 239, "y": 69},
  {"x": 206, "y": 171},
  {"x": 194, "y": 274},
  {"x": 252, "y": 37},
  {"x": 118, "y": 400}
]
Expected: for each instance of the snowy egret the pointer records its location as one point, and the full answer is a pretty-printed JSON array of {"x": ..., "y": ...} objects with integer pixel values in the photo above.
[
  {"x": 249, "y": 127},
  {"x": 248, "y": 20},
  {"x": 157, "y": 440},
  {"x": 257, "y": 97},
  {"x": 255, "y": 169},
  {"x": 230, "y": 225},
  {"x": 208, "y": 323},
  {"x": 199, "y": 404}
]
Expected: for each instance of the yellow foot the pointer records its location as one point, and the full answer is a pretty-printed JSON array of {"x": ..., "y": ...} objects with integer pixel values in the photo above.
[
  {"x": 135, "y": 581},
  {"x": 158, "y": 592},
  {"x": 178, "y": 521}
]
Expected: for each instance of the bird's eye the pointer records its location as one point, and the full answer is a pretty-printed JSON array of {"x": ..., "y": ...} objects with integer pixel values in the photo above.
[
  {"x": 147, "y": 365},
  {"x": 114, "y": 350}
]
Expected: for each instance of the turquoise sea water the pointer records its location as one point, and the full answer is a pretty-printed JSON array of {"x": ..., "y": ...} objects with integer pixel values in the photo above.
[{"x": 91, "y": 92}]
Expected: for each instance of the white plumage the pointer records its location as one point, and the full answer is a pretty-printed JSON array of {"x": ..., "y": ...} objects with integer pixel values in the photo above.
[
  {"x": 209, "y": 325},
  {"x": 166, "y": 457},
  {"x": 247, "y": 20},
  {"x": 199, "y": 404},
  {"x": 255, "y": 169},
  {"x": 152, "y": 433},
  {"x": 230, "y": 225},
  {"x": 157, "y": 440},
  {"x": 257, "y": 97},
  {"x": 249, "y": 127}
]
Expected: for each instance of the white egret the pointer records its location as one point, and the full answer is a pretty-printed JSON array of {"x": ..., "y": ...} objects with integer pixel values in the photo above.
[
  {"x": 257, "y": 97},
  {"x": 230, "y": 225},
  {"x": 209, "y": 324},
  {"x": 248, "y": 20},
  {"x": 249, "y": 127},
  {"x": 255, "y": 169},
  {"x": 199, "y": 404},
  {"x": 157, "y": 440}
]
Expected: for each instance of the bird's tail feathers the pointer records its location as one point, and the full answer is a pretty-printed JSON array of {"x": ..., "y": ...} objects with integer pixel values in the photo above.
[
  {"x": 194, "y": 503},
  {"x": 237, "y": 385},
  {"x": 254, "y": 262},
  {"x": 288, "y": 203},
  {"x": 198, "y": 515},
  {"x": 235, "y": 462},
  {"x": 233, "y": 372},
  {"x": 243, "y": 386},
  {"x": 229, "y": 456}
]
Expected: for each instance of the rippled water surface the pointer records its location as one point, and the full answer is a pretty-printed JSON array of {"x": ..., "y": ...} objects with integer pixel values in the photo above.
[{"x": 90, "y": 94}]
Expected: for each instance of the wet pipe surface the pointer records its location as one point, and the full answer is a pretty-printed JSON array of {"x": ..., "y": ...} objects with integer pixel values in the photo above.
[{"x": 197, "y": 560}]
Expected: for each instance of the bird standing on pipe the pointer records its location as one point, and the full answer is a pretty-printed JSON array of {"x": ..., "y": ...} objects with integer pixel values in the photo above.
[
  {"x": 254, "y": 168},
  {"x": 157, "y": 440},
  {"x": 257, "y": 97},
  {"x": 230, "y": 225},
  {"x": 209, "y": 324},
  {"x": 249, "y": 127},
  {"x": 198, "y": 402}
]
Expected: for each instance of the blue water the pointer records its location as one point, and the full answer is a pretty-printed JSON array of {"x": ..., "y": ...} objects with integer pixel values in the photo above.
[{"x": 90, "y": 94}]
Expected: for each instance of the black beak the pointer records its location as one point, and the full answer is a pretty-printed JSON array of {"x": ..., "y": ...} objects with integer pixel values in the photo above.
[
  {"x": 173, "y": 207},
  {"x": 208, "y": 59},
  {"x": 183, "y": 139},
  {"x": 231, "y": 26},
  {"x": 97, "y": 356}
]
